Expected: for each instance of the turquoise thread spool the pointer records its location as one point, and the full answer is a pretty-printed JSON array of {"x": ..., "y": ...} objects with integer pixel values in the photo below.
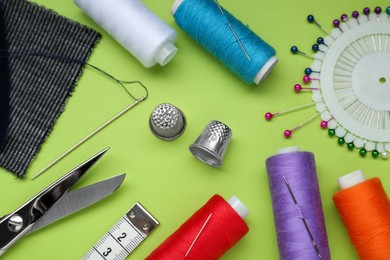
[{"x": 216, "y": 30}]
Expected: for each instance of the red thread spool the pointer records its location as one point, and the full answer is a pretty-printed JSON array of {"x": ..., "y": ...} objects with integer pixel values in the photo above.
[
  {"x": 365, "y": 210},
  {"x": 224, "y": 228}
]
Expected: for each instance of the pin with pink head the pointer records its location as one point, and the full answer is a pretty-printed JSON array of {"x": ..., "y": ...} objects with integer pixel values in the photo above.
[
  {"x": 288, "y": 133},
  {"x": 298, "y": 88},
  {"x": 268, "y": 116},
  {"x": 307, "y": 79},
  {"x": 324, "y": 123}
]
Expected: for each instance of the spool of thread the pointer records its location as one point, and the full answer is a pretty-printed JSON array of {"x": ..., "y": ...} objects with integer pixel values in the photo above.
[
  {"x": 135, "y": 27},
  {"x": 207, "y": 234},
  {"x": 297, "y": 206},
  {"x": 365, "y": 211},
  {"x": 226, "y": 38}
]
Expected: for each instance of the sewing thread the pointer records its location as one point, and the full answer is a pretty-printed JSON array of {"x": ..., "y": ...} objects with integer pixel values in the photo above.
[
  {"x": 365, "y": 211},
  {"x": 226, "y": 38},
  {"x": 297, "y": 206},
  {"x": 206, "y": 235},
  {"x": 135, "y": 27}
]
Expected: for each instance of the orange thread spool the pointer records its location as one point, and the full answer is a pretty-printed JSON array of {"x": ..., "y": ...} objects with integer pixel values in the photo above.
[
  {"x": 365, "y": 210},
  {"x": 222, "y": 228}
]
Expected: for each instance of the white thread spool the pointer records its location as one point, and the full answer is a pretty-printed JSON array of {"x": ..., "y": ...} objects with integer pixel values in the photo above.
[{"x": 135, "y": 27}]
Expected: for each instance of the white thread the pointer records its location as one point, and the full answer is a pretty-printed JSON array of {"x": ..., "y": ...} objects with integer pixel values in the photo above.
[{"x": 135, "y": 27}]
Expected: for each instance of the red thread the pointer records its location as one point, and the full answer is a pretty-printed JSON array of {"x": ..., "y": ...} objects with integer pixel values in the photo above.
[
  {"x": 224, "y": 228},
  {"x": 365, "y": 211}
]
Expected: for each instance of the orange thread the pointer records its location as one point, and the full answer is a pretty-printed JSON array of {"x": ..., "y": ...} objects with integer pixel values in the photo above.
[
  {"x": 365, "y": 211},
  {"x": 223, "y": 229}
]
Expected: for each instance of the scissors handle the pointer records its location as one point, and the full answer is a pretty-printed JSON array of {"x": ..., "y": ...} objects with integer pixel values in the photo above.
[{"x": 16, "y": 224}]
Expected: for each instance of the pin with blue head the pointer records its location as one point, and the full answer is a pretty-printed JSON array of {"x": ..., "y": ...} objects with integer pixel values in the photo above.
[
  {"x": 309, "y": 71},
  {"x": 311, "y": 19},
  {"x": 388, "y": 12},
  {"x": 321, "y": 40},
  {"x": 316, "y": 48},
  {"x": 294, "y": 49}
]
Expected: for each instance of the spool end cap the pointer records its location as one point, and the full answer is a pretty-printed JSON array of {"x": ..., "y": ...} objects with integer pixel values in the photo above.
[
  {"x": 351, "y": 179},
  {"x": 238, "y": 206},
  {"x": 289, "y": 149},
  {"x": 166, "y": 53},
  {"x": 265, "y": 70}
]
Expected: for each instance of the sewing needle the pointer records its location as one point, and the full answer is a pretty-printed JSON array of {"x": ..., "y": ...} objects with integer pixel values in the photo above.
[
  {"x": 88, "y": 137},
  {"x": 303, "y": 219},
  {"x": 233, "y": 31},
  {"x": 197, "y": 236}
]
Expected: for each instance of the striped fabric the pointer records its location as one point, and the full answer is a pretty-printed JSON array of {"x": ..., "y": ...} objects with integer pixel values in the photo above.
[
  {"x": 43, "y": 48},
  {"x": 4, "y": 83}
]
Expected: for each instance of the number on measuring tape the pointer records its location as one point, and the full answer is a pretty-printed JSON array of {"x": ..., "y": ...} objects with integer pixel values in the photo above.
[{"x": 124, "y": 236}]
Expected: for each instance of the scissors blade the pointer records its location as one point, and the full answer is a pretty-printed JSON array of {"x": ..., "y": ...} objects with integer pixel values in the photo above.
[
  {"x": 16, "y": 224},
  {"x": 78, "y": 199}
]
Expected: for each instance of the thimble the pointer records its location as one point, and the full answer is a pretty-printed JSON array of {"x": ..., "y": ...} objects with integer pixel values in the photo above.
[
  {"x": 167, "y": 122},
  {"x": 212, "y": 143}
]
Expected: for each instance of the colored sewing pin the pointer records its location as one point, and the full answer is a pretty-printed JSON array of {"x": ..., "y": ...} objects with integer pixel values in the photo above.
[
  {"x": 303, "y": 219},
  {"x": 233, "y": 31},
  {"x": 88, "y": 137}
]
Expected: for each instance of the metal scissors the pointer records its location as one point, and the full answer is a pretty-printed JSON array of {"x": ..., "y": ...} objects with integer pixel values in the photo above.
[{"x": 55, "y": 202}]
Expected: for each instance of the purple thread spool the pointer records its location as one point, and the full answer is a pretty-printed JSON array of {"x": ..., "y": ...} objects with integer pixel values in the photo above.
[{"x": 294, "y": 240}]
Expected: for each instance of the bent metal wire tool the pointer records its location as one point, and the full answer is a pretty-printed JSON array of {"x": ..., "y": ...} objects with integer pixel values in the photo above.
[{"x": 54, "y": 203}]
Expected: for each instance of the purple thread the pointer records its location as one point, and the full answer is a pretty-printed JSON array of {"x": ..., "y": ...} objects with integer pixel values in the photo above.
[{"x": 293, "y": 239}]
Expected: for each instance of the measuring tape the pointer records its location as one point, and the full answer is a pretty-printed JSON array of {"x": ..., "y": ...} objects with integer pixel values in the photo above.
[{"x": 124, "y": 236}]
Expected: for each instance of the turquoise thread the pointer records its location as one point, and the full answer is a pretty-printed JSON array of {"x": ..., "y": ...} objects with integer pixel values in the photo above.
[{"x": 205, "y": 23}]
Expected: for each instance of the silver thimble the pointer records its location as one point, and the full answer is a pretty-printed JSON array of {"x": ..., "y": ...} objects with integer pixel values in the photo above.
[
  {"x": 211, "y": 145},
  {"x": 167, "y": 122}
]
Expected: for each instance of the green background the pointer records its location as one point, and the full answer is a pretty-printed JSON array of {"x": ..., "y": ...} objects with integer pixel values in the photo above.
[{"x": 163, "y": 175}]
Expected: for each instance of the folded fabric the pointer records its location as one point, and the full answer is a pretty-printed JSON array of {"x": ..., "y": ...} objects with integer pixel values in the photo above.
[
  {"x": 42, "y": 48},
  {"x": 4, "y": 83}
]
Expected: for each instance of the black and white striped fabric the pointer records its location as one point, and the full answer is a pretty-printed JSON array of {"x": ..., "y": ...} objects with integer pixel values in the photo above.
[{"x": 43, "y": 49}]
